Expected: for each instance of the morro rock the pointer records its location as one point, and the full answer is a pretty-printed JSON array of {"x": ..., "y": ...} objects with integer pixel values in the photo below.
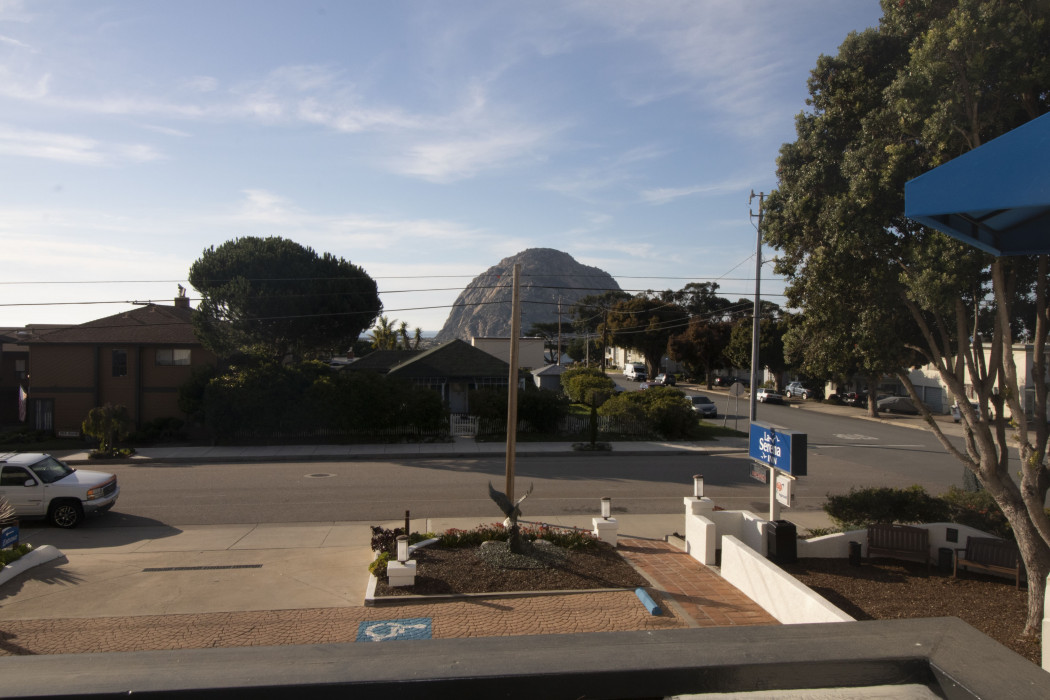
[{"x": 547, "y": 276}]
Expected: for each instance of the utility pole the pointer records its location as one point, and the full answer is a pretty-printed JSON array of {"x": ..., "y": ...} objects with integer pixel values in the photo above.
[
  {"x": 558, "y": 361},
  {"x": 758, "y": 302},
  {"x": 512, "y": 383}
]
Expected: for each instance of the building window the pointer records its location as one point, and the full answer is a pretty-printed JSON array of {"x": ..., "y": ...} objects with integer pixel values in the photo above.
[
  {"x": 120, "y": 363},
  {"x": 20, "y": 370},
  {"x": 173, "y": 356}
]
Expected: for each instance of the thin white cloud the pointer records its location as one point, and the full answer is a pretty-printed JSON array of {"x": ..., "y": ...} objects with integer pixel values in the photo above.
[
  {"x": 459, "y": 158},
  {"x": 71, "y": 148},
  {"x": 616, "y": 171},
  {"x": 664, "y": 195},
  {"x": 280, "y": 216},
  {"x": 11, "y": 41}
]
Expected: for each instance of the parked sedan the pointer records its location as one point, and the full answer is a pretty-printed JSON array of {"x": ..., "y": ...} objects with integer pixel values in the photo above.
[
  {"x": 704, "y": 406},
  {"x": 768, "y": 396},
  {"x": 897, "y": 404}
]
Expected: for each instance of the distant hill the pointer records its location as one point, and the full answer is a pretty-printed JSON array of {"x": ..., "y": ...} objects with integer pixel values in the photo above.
[{"x": 483, "y": 308}]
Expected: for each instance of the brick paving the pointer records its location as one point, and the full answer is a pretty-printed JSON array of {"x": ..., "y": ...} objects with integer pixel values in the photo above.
[
  {"x": 704, "y": 596},
  {"x": 698, "y": 595}
]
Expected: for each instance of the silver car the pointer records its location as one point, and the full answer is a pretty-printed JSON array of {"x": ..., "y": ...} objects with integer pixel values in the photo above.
[{"x": 704, "y": 406}]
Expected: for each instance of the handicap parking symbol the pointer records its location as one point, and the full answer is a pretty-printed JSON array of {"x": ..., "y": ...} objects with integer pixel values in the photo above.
[{"x": 394, "y": 630}]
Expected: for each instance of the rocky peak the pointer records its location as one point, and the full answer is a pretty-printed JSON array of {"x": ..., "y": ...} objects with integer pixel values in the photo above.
[{"x": 483, "y": 308}]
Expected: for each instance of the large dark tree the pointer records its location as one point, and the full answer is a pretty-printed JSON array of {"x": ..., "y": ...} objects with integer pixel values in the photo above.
[
  {"x": 590, "y": 316},
  {"x": 936, "y": 79},
  {"x": 701, "y": 346},
  {"x": 274, "y": 297},
  {"x": 646, "y": 323}
]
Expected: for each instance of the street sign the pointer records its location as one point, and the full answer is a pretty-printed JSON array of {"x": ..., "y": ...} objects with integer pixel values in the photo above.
[
  {"x": 9, "y": 537},
  {"x": 784, "y": 489},
  {"x": 760, "y": 473},
  {"x": 783, "y": 450}
]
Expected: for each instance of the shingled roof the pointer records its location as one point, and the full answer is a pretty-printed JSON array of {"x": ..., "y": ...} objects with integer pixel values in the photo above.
[
  {"x": 381, "y": 361},
  {"x": 455, "y": 358},
  {"x": 144, "y": 325}
]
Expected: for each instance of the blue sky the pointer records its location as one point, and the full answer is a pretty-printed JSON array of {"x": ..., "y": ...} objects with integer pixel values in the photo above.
[{"x": 423, "y": 141}]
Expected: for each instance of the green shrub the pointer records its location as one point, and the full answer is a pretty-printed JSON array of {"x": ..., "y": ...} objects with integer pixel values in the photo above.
[
  {"x": 977, "y": 509},
  {"x": 378, "y": 566},
  {"x": 542, "y": 409},
  {"x": 862, "y": 507},
  {"x": 168, "y": 429},
  {"x": 562, "y": 537},
  {"x": 386, "y": 540},
  {"x": 580, "y": 382},
  {"x": 9, "y": 555},
  {"x": 23, "y": 436},
  {"x": 664, "y": 409}
]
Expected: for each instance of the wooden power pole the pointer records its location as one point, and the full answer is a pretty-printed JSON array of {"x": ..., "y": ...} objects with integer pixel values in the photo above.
[{"x": 512, "y": 383}]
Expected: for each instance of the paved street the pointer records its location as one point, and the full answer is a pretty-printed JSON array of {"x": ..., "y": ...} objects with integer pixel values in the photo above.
[{"x": 301, "y": 484}]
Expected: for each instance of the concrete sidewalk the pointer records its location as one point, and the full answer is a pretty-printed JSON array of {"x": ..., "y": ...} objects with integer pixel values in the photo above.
[{"x": 163, "y": 570}]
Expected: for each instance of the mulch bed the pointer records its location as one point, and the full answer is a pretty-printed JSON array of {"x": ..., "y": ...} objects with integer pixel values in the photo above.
[
  {"x": 467, "y": 570},
  {"x": 885, "y": 589}
]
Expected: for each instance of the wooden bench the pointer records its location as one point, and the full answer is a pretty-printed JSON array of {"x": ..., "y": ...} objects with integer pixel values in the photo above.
[
  {"x": 899, "y": 542},
  {"x": 990, "y": 554}
]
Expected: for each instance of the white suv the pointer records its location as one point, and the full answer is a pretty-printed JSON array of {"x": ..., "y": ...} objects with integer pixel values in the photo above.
[{"x": 39, "y": 486}]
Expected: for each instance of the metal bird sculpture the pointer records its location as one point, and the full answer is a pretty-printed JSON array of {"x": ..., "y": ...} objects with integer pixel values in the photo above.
[{"x": 512, "y": 511}]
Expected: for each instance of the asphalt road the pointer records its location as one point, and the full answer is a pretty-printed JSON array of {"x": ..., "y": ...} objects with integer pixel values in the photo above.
[{"x": 844, "y": 452}]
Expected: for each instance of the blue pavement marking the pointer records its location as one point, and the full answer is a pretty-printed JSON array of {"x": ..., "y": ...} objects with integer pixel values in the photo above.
[{"x": 391, "y": 630}]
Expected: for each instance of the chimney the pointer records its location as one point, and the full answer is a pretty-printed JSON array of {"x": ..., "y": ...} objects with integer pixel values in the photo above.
[{"x": 182, "y": 301}]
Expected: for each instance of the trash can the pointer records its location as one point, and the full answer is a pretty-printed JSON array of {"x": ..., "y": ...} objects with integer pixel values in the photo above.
[
  {"x": 945, "y": 560},
  {"x": 782, "y": 541},
  {"x": 854, "y": 553}
]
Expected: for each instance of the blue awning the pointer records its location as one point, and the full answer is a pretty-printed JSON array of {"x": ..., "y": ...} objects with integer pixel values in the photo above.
[{"x": 995, "y": 197}]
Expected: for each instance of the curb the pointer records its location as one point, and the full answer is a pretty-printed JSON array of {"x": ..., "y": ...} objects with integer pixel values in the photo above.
[
  {"x": 41, "y": 555},
  {"x": 148, "y": 461}
]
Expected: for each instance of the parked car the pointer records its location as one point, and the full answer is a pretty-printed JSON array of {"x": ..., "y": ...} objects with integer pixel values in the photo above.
[
  {"x": 39, "y": 486},
  {"x": 957, "y": 413},
  {"x": 796, "y": 389},
  {"x": 765, "y": 395},
  {"x": 897, "y": 404},
  {"x": 665, "y": 380},
  {"x": 704, "y": 406}
]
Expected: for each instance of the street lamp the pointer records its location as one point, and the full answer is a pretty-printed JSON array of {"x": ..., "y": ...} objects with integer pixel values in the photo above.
[
  {"x": 698, "y": 485},
  {"x": 606, "y": 507}
]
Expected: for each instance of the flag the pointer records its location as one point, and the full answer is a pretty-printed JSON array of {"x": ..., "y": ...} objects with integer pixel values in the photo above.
[{"x": 22, "y": 397}]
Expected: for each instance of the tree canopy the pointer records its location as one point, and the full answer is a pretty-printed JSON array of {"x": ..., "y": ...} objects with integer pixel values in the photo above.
[
  {"x": 878, "y": 292},
  {"x": 277, "y": 298}
]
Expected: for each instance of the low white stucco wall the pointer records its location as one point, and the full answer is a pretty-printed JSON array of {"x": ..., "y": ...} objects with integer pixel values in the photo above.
[
  {"x": 836, "y": 546},
  {"x": 780, "y": 594},
  {"x": 701, "y": 542},
  {"x": 743, "y": 525}
]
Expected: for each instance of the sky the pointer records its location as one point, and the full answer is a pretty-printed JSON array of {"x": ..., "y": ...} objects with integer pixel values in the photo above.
[{"x": 422, "y": 141}]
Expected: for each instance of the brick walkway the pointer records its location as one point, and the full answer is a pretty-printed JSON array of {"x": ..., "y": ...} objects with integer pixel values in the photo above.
[
  {"x": 703, "y": 596},
  {"x": 690, "y": 595}
]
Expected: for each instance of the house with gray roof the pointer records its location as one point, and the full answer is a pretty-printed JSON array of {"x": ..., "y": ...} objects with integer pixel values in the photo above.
[{"x": 453, "y": 369}]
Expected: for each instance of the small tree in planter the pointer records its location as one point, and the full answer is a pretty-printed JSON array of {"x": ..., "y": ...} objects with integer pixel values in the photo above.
[{"x": 107, "y": 424}]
